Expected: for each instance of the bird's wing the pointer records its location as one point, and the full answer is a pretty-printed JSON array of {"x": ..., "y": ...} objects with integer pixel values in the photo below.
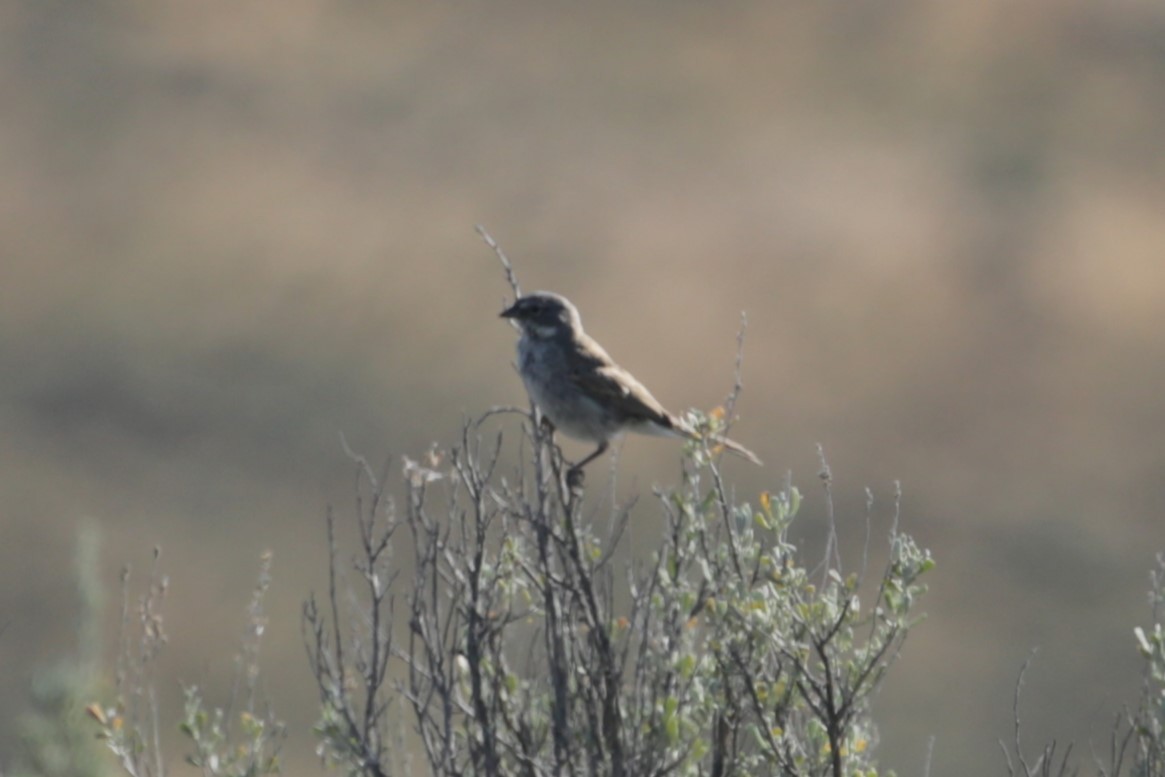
[{"x": 595, "y": 374}]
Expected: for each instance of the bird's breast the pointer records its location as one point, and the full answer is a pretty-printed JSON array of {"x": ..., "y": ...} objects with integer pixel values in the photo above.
[{"x": 545, "y": 370}]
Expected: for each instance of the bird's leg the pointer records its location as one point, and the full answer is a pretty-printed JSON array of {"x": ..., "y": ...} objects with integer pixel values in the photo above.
[
  {"x": 574, "y": 476},
  {"x": 599, "y": 451}
]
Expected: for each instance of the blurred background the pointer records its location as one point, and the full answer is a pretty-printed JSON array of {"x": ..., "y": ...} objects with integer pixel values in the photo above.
[{"x": 231, "y": 230}]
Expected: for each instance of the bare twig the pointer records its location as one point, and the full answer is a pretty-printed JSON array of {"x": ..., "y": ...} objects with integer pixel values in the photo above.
[
  {"x": 737, "y": 373},
  {"x": 1016, "y": 743},
  {"x": 362, "y": 462},
  {"x": 831, "y": 559},
  {"x": 511, "y": 277}
]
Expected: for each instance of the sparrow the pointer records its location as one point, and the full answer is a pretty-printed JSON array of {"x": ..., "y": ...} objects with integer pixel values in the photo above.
[{"x": 580, "y": 389}]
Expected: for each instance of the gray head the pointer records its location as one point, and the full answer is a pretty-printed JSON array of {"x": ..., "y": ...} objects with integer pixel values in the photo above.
[{"x": 544, "y": 314}]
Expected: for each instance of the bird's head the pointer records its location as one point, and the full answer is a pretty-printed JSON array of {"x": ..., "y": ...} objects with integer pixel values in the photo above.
[{"x": 544, "y": 314}]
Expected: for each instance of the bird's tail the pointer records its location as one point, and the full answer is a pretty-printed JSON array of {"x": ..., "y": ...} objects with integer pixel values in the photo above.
[
  {"x": 682, "y": 429},
  {"x": 732, "y": 446}
]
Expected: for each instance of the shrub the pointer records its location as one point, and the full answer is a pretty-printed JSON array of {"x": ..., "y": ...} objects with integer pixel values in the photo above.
[{"x": 529, "y": 652}]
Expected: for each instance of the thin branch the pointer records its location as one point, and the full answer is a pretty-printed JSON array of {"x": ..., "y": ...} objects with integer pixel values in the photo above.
[
  {"x": 832, "y": 556},
  {"x": 511, "y": 277},
  {"x": 1017, "y": 744},
  {"x": 737, "y": 372}
]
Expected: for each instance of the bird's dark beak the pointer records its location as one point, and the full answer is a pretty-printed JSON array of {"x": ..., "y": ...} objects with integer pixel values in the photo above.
[{"x": 510, "y": 312}]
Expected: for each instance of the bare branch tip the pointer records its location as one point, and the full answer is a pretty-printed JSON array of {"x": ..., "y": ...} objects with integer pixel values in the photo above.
[{"x": 511, "y": 277}]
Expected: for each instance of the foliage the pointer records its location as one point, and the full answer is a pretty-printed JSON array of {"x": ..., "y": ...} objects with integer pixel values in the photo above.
[
  {"x": 529, "y": 649},
  {"x": 1136, "y": 746},
  {"x": 1148, "y": 723},
  {"x": 529, "y": 653},
  {"x": 55, "y": 737},
  {"x": 238, "y": 740}
]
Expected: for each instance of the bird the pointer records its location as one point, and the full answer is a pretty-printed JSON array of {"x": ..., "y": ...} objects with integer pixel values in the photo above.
[{"x": 579, "y": 388}]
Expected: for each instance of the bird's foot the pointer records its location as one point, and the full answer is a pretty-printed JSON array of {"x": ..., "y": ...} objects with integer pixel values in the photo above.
[
  {"x": 547, "y": 426},
  {"x": 575, "y": 477}
]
